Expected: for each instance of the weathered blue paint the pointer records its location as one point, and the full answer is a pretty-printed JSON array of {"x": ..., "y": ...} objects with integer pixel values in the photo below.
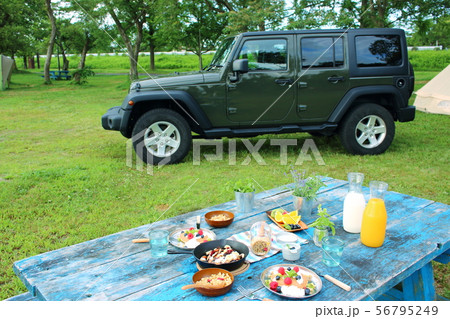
[
  {"x": 420, "y": 285},
  {"x": 112, "y": 268}
]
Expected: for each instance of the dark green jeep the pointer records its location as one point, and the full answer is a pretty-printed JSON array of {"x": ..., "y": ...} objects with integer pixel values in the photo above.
[{"x": 355, "y": 83}]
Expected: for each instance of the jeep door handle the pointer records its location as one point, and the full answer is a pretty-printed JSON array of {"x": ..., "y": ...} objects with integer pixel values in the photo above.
[
  {"x": 283, "y": 82},
  {"x": 336, "y": 79}
]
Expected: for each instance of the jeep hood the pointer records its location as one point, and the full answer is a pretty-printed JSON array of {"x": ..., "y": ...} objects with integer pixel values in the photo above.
[{"x": 167, "y": 81}]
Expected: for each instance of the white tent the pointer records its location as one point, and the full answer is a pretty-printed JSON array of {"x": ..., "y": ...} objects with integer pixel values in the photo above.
[
  {"x": 434, "y": 97},
  {"x": 6, "y": 66}
]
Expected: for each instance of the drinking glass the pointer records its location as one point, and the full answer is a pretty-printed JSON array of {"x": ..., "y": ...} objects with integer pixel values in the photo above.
[
  {"x": 158, "y": 242},
  {"x": 332, "y": 249}
]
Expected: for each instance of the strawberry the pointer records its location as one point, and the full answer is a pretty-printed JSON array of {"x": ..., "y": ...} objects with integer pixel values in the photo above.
[
  {"x": 190, "y": 235},
  {"x": 296, "y": 269},
  {"x": 273, "y": 285},
  {"x": 200, "y": 232},
  {"x": 288, "y": 280},
  {"x": 281, "y": 271}
]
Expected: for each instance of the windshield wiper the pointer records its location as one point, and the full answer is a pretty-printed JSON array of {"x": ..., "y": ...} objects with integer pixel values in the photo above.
[{"x": 211, "y": 66}]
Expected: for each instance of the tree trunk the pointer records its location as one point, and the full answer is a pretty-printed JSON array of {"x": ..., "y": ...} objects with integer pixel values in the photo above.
[
  {"x": 152, "y": 48},
  {"x": 65, "y": 61},
  {"x": 152, "y": 56},
  {"x": 82, "y": 62},
  {"x": 133, "y": 53},
  {"x": 200, "y": 60},
  {"x": 31, "y": 62},
  {"x": 25, "y": 62},
  {"x": 38, "y": 61},
  {"x": 51, "y": 42}
]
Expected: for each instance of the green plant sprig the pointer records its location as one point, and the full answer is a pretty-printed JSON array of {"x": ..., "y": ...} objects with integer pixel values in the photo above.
[
  {"x": 242, "y": 186},
  {"x": 323, "y": 220}
]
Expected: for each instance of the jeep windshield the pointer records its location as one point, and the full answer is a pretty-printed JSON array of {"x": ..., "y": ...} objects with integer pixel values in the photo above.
[{"x": 222, "y": 53}]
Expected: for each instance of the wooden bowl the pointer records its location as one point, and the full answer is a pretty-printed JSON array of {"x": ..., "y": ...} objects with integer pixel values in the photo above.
[
  {"x": 212, "y": 292},
  {"x": 219, "y": 223}
]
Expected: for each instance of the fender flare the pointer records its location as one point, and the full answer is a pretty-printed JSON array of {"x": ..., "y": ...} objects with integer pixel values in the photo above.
[
  {"x": 193, "y": 111},
  {"x": 346, "y": 102}
]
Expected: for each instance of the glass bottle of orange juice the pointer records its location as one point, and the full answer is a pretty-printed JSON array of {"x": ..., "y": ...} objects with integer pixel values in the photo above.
[{"x": 373, "y": 227}]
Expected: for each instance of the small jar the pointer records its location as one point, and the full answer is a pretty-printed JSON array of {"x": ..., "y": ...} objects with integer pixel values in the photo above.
[
  {"x": 261, "y": 238},
  {"x": 291, "y": 251},
  {"x": 319, "y": 234}
]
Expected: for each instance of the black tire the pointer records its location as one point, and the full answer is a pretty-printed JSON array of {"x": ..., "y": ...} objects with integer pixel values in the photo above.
[
  {"x": 161, "y": 136},
  {"x": 368, "y": 129}
]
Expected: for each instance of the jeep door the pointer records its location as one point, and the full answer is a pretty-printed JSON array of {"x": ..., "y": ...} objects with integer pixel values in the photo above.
[
  {"x": 262, "y": 95},
  {"x": 323, "y": 75}
]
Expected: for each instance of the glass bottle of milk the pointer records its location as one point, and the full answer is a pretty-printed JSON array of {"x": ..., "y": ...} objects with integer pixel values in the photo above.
[{"x": 354, "y": 204}]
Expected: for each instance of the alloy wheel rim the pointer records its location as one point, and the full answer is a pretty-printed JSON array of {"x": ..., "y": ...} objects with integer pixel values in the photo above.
[
  {"x": 162, "y": 139},
  {"x": 371, "y": 131}
]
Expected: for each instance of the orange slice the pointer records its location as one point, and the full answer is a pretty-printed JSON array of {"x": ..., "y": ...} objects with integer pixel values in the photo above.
[{"x": 288, "y": 219}]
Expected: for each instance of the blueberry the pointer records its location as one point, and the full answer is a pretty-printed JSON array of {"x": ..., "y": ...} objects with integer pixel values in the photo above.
[
  {"x": 307, "y": 291},
  {"x": 298, "y": 277},
  {"x": 277, "y": 278},
  {"x": 279, "y": 289},
  {"x": 288, "y": 268}
]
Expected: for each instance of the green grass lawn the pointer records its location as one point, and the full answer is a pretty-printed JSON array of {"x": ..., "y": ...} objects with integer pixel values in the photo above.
[{"x": 64, "y": 179}]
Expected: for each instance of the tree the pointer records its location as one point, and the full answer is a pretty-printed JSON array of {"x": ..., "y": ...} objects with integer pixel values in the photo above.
[
  {"x": 249, "y": 15},
  {"x": 21, "y": 23},
  {"x": 51, "y": 43},
  {"x": 363, "y": 14},
  {"x": 129, "y": 17},
  {"x": 200, "y": 29}
]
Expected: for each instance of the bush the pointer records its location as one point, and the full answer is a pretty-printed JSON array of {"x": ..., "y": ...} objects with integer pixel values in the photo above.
[
  {"x": 429, "y": 60},
  {"x": 121, "y": 61},
  {"x": 80, "y": 75}
]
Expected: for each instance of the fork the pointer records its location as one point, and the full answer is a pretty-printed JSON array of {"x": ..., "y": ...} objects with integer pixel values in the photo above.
[{"x": 250, "y": 295}]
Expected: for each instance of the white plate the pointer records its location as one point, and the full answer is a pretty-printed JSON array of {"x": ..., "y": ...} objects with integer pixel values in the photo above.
[
  {"x": 315, "y": 279},
  {"x": 173, "y": 237}
]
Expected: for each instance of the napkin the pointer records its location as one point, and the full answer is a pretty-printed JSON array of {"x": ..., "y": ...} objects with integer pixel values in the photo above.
[{"x": 244, "y": 237}]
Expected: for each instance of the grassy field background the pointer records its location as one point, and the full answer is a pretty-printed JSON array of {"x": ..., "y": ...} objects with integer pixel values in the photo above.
[{"x": 64, "y": 180}]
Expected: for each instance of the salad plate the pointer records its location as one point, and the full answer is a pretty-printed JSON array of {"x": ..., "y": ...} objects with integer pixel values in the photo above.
[
  {"x": 189, "y": 238},
  {"x": 291, "y": 281}
]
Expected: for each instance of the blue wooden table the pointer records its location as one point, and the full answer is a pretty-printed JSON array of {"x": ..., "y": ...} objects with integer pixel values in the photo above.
[
  {"x": 112, "y": 268},
  {"x": 58, "y": 75}
]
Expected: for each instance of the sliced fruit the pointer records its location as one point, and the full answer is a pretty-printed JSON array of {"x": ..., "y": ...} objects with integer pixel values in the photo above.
[
  {"x": 294, "y": 213},
  {"x": 279, "y": 217},
  {"x": 288, "y": 219}
]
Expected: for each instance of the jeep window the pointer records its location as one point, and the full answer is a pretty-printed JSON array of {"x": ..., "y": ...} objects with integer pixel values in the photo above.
[
  {"x": 376, "y": 50},
  {"x": 269, "y": 54},
  {"x": 222, "y": 53},
  {"x": 322, "y": 52}
]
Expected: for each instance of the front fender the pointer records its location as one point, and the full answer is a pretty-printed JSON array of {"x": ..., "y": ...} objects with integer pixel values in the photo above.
[{"x": 188, "y": 106}]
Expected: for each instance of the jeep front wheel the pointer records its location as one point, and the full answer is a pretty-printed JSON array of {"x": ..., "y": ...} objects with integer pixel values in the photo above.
[
  {"x": 161, "y": 136},
  {"x": 368, "y": 129}
]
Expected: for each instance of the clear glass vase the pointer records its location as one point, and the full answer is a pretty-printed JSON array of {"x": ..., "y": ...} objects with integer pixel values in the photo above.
[
  {"x": 319, "y": 234},
  {"x": 303, "y": 206}
]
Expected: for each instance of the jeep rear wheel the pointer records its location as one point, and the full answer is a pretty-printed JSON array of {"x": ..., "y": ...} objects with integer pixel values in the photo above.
[
  {"x": 367, "y": 130},
  {"x": 161, "y": 136}
]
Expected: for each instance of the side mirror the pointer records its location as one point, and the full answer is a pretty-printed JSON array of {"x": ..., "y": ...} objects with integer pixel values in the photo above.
[{"x": 240, "y": 66}]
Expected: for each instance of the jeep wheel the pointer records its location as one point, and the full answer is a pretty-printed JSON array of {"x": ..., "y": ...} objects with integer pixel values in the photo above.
[
  {"x": 367, "y": 129},
  {"x": 161, "y": 136}
]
